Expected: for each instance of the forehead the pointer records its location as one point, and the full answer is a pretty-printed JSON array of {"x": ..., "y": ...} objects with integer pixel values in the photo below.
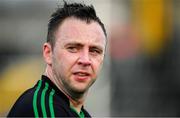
[{"x": 78, "y": 30}]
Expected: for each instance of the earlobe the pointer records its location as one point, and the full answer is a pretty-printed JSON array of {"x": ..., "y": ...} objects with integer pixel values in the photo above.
[{"x": 47, "y": 53}]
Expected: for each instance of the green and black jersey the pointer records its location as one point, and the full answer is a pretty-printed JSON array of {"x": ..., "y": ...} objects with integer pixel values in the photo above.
[{"x": 44, "y": 100}]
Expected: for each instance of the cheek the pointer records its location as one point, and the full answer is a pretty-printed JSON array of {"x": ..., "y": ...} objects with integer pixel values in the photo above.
[
  {"x": 67, "y": 60},
  {"x": 98, "y": 64}
]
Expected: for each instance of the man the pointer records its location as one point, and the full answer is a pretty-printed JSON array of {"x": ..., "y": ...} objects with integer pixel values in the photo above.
[{"x": 74, "y": 54}]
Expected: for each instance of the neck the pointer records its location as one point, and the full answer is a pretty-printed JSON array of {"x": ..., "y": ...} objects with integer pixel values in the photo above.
[
  {"x": 77, "y": 104},
  {"x": 76, "y": 100}
]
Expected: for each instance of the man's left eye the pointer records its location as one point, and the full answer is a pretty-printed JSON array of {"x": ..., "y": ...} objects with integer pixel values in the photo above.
[{"x": 95, "y": 51}]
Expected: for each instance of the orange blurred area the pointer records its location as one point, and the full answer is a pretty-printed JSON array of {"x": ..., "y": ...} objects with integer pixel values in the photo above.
[{"x": 153, "y": 18}]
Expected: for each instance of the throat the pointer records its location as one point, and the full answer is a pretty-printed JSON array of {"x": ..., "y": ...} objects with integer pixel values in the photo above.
[{"x": 76, "y": 105}]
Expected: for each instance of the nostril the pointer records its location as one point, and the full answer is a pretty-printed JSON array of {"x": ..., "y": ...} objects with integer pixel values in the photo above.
[
  {"x": 84, "y": 58},
  {"x": 84, "y": 62}
]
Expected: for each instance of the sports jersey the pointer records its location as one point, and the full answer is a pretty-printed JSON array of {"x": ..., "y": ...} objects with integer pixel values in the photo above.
[{"x": 45, "y": 100}]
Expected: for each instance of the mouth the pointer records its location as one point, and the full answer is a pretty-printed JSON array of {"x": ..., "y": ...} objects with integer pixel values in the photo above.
[{"x": 81, "y": 74}]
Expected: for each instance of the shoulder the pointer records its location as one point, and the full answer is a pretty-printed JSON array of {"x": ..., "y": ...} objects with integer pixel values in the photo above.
[
  {"x": 23, "y": 106},
  {"x": 41, "y": 101}
]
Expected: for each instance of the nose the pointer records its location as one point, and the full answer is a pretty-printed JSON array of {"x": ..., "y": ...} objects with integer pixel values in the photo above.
[{"x": 84, "y": 59}]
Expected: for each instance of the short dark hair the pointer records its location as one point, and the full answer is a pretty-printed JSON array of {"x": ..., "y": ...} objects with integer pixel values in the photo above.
[{"x": 77, "y": 10}]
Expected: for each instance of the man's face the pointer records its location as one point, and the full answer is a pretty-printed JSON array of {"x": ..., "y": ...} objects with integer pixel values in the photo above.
[{"x": 78, "y": 54}]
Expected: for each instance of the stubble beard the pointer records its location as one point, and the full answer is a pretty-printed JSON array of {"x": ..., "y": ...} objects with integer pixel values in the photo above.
[
  {"x": 74, "y": 92},
  {"x": 66, "y": 85}
]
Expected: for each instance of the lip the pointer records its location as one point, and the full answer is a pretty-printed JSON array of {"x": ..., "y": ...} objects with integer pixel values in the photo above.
[
  {"x": 82, "y": 72},
  {"x": 83, "y": 77}
]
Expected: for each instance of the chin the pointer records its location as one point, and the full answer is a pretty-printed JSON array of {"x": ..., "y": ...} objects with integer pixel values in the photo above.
[{"x": 80, "y": 90}]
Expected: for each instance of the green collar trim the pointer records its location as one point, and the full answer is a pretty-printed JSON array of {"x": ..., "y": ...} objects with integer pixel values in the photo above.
[{"x": 81, "y": 114}]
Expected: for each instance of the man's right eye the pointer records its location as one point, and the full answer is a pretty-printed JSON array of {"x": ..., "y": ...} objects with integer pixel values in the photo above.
[{"x": 72, "y": 49}]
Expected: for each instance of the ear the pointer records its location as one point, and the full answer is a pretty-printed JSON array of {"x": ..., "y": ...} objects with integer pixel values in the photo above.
[{"x": 47, "y": 53}]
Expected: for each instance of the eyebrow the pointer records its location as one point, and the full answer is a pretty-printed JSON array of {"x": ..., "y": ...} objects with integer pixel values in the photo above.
[
  {"x": 74, "y": 44},
  {"x": 81, "y": 45}
]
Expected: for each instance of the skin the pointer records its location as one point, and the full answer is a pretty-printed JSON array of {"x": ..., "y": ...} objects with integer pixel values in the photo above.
[{"x": 76, "y": 59}]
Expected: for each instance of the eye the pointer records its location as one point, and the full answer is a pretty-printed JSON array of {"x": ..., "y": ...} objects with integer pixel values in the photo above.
[
  {"x": 95, "y": 51},
  {"x": 72, "y": 49}
]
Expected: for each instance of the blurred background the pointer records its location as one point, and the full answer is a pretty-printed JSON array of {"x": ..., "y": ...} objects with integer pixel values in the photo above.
[{"x": 141, "y": 72}]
